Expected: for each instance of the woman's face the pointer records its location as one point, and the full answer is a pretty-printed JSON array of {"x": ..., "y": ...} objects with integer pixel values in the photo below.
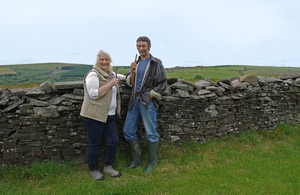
[{"x": 103, "y": 62}]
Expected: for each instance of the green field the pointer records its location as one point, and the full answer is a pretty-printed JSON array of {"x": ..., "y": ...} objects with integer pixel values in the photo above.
[
  {"x": 58, "y": 72},
  {"x": 4, "y": 71},
  {"x": 218, "y": 72}
]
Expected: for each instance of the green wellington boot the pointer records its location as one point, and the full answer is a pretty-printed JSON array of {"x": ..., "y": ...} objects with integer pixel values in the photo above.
[
  {"x": 152, "y": 157},
  {"x": 135, "y": 150}
]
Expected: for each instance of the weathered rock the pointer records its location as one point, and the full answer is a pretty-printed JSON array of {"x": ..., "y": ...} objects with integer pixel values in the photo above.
[
  {"x": 181, "y": 86},
  {"x": 4, "y": 96},
  {"x": 289, "y": 81},
  {"x": 17, "y": 92},
  {"x": 172, "y": 80},
  {"x": 38, "y": 103},
  {"x": 58, "y": 100},
  {"x": 211, "y": 95},
  {"x": 168, "y": 91},
  {"x": 297, "y": 81},
  {"x": 64, "y": 108},
  {"x": 26, "y": 109},
  {"x": 45, "y": 97},
  {"x": 212, "y": 88},
  {"x": 79, "y": 92},
  {"x": 202, "y": 83},
  {"x": 226, "y": 86},
  {"x": 47, "y": 87},
  {"x": 274, "y": 80},
  {"x": 237, "y": 96},
  {"x": 212, "y": 110},
  {"x": 235, "y": 83},
  {"x": 289, "y": 76},
  {"x": 11, "y": 107},
  {"x": 182, "y": 93},
  {"x": 48, "y": 112},
  {"x": 226, "y": 81},
  {"x": 33, "y": 91},
  {"x": 262, "y": 80},
  {"x": 69, "y": 85},
  {"x": 71, "y": 96},
  {"x": 170, "y": 98},
  {"x": 203, "y": 92},
  {"x": 250, "y": 78},
  {"x": 187, "y": 83}
]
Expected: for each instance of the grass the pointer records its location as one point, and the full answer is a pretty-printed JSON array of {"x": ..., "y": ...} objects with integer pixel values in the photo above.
[
  {"x": 227, "y": 71},
  {"x": 253, "y": 162}
]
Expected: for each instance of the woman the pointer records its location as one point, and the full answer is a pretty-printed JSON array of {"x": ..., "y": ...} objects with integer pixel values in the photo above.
[{"x": 100, "y": 105}]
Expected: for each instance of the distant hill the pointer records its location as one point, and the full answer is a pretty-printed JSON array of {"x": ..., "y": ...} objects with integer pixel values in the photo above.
[
  {"x": 58, "y": 72},
  {"x": 227, "y": 71},
  {"x": 39, "y": 73}
]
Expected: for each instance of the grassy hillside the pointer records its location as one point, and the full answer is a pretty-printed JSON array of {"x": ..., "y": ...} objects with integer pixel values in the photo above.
[
  {"x": 218, "y": 72},
  {"x": 39, "y": 73},
  {"x": 13, "y": 75}
]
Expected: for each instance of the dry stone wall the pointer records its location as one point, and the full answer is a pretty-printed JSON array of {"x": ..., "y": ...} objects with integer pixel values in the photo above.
[{"x": 44, "y": 123}]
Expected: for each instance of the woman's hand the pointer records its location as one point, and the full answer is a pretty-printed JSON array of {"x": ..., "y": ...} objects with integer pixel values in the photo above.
[{"x": 114, "y": 81}]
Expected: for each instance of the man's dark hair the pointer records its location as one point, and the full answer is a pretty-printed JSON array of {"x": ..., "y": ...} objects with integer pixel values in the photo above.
[{"x": 144, "y": 38}]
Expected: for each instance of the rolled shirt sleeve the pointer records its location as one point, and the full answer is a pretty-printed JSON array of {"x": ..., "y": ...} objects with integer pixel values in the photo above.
[{"x": 92, "y": 85}]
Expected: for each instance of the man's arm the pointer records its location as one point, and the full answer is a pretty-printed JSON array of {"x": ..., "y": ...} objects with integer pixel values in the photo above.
[{"x": 161, "y": 82}]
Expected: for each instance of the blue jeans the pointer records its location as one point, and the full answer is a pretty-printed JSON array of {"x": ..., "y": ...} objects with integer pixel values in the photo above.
[
  {"x": 96, "y": 131},
  {"x": 148, "y": 116}
]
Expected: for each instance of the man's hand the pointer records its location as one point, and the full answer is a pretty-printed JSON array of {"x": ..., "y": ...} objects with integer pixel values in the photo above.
[{"x": 133, "y": 67}]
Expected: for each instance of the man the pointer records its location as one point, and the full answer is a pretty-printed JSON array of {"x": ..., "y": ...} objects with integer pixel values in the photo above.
[{"x": 148, "y": 81}]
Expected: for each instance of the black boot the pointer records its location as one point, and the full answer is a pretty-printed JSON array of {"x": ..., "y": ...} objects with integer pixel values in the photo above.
[
  {"x": 135, "y": 150},
  {"x": 152, "y": 157}
]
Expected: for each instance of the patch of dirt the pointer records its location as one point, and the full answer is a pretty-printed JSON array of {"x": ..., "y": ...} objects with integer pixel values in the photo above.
[{"x": 57, "y": 71}]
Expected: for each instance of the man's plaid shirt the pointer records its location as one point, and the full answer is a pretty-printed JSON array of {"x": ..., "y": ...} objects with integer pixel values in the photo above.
[{"x": 154, "y": 83}]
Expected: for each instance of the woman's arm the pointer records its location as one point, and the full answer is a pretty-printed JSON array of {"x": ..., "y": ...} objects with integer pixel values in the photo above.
[
  {"x": 92, "y": 84},
  {"x": 120, "y": 76},
  {"x": 103, "y": 89}
]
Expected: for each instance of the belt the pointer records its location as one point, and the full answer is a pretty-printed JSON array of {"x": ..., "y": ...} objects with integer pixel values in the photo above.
[{"x": 137, "y": 93}]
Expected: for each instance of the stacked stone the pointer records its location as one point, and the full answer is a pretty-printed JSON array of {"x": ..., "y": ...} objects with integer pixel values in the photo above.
[
  {"x": 44, "y": 123},
  {"x": 205, "y": 109}
]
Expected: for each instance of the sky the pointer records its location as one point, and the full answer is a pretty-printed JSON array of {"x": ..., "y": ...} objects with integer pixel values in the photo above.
[{"x": 182, "y": 32}]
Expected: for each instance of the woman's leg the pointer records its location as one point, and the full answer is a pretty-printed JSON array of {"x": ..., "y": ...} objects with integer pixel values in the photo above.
[
  {"x": 94, "y": 130},
  {"x": 112, "y": 141}
]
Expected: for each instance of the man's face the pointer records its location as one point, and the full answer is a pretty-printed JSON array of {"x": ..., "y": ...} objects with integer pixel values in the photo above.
[{"x": 143, "y": 48}]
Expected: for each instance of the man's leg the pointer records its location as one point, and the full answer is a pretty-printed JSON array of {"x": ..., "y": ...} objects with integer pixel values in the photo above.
[
  {"x": 132, "y": 118},
  {"x": 149, "y": 119},
  {"x": 129, "y": 130}
]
